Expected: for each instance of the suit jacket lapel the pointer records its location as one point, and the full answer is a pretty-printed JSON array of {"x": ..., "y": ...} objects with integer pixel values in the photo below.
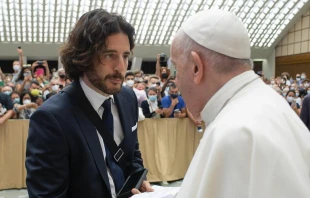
[
  {"x": 90, "y": 134},
  {"x": 121, "y": 107}
]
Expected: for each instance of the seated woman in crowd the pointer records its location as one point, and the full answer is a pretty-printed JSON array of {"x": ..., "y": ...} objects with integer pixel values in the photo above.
[
  {"x": 26, "y": 107},
  {"x": 151, "y": 107},
  {"x": 290, "y": 97},
  {"x": 297, "y": 98}
]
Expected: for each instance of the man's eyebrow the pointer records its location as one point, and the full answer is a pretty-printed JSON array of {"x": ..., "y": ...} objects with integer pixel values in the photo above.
[{"x": 111, "y": 50}]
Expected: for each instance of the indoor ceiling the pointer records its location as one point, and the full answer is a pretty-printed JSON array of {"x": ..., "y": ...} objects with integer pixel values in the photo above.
[{"x": 50, "y": 21}]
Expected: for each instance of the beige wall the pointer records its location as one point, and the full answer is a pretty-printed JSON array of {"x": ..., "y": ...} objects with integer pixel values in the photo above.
[{"x": 297, "y": 40}]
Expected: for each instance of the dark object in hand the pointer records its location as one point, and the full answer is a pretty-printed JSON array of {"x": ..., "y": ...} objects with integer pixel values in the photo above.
[
  {"x": 40, "y": 62},
  {"x": 135, "y": 180},
  {"x": 163, "y": 60}
]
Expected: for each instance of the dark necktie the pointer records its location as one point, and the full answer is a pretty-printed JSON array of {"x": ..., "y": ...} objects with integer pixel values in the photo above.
[{"x": 115, "y": 169}]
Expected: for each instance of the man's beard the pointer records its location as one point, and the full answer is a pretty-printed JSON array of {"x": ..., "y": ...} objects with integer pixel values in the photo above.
[{"x": 101, "y": 83}]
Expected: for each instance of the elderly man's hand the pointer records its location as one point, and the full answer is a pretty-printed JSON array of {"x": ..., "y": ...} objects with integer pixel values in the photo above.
[{"x": 145, "y": 187}]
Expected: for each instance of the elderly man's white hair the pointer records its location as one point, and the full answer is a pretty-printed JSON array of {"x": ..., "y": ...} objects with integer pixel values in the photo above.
[{"x": 220, "y": 62}]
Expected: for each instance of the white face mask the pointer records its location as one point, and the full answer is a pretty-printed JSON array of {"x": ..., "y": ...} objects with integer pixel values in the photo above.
[
  {"x": 16, "y": 67},
  {"x": 290, "y": 99},
  {"x": 272, "y": 82},
  {"x": 153, "y": 85},
  {"x": 130, "y": 83},
  {"x": 306, "y": 85},
  {"x": 55, "y": 88},
  {"x": 26, "y": 101}
]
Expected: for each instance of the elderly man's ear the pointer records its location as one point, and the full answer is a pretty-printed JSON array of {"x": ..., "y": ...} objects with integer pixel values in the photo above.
[{"x": 197, "y": 67}]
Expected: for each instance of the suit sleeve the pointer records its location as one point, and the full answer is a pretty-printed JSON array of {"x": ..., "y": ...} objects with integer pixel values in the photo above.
[
  {"x": 146, "y": 109},
  {"x": 46, "y": 157},
  {"x": 304, "y": 115}
]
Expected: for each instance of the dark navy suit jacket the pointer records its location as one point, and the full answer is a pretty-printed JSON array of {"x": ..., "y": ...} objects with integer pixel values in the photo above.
[
  {"x": 64, "y": 158},
  {"x": 305, "y": 111}
]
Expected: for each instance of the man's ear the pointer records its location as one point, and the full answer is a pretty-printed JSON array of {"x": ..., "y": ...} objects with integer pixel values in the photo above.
[{"x": 198, "y": 67}]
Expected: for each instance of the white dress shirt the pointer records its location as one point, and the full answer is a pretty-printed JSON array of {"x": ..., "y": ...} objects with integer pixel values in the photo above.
[
  {"x": 254, "y": 147},
  {"x": 96, "y": 100}
]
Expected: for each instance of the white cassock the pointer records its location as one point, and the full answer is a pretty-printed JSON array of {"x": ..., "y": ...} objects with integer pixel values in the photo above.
[{"x": 254, "y": 147}]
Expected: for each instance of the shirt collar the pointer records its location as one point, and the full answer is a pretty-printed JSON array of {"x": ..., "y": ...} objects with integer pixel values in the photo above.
[
  {"x": 216, "y": 103},
  {"x": 95, "y": 98}
]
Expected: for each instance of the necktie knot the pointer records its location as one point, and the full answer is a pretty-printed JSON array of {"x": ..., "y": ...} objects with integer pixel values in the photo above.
[{"x": 107, "y": 104}]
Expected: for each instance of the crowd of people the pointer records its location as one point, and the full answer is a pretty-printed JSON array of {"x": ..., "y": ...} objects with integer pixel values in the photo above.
[
  {"x": 158, "y": 96},
  {"x": 292, "y": 88},
  {"x": 23, "y": 91}
]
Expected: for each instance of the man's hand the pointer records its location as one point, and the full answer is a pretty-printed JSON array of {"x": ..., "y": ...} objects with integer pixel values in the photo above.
[
  {"x": 159, "y": 89},
  {"x": 145, "y": 187},
  {"x": 157, "y": 57},
  {"x": 19, "y": 51},
  {"x": 2, "y": 120},
  {"x": 45, "y": 64},
  {"x": 197, "y": 123},
  {"x": 35, "y": 64},
  {"x": 27, "y": 78},
  {"x": 159, "y": 111},
  {"x": 174, "y": 101}
]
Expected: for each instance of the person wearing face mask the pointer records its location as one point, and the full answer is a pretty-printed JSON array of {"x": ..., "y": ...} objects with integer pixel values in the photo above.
[
  {"x": 138, "y": 76},
  {"x": 140, "y": 93},
  {"x": 173, "y": 105},
  {"x": 24, "y": 79},
  {"x": 62, "y": 77},
  {"x": 285, "y": 91},
  {"x": 129, "y": 79},
  {"x": 290, "y": 97},
  {"x": 146, "y": 79},
  {"x": 16, "y": 103},
  {"x": 305, "y": 83},
  {"x": 286, "y": 76},
  {"x": 7, "y": 90},
  {"x": 298, "y": 79},
  {"x": 152, "y": 81},
  {"x": 34, "y": 89},
  {"x": 54, "y": 85},
  {"x": 26, "y": 107},
  {"x": 272, "y": 82},
  {"x": 297, "y": 97},
  {"x": 151, "y": 107},
  {"x": 307, "y": 91},
  {"x": 17, "y": 65},
  {"x": 303, "y": 76}
]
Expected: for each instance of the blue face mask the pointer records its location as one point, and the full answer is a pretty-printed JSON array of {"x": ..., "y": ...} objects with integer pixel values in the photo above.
[
  {"x": 153, "y": 98},
  {"x": 173, "y": 96},
  {"x": 16, "y": 100},
  {"x": 303, "y": 77},
  {"x": 7, "y": 93}
]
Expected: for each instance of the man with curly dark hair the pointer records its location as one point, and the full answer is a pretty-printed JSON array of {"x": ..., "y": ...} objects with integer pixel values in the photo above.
[{"x": 83, "y": 141}]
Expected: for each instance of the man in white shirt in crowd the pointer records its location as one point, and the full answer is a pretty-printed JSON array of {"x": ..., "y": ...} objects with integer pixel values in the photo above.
[{"x": 254, "y": 146}]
